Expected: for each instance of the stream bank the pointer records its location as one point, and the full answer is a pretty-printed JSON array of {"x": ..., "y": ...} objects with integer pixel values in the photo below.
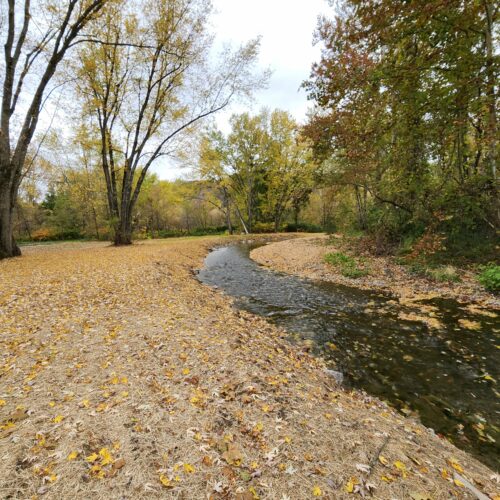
[
  {"x": 446, "y": 376},
  {"x": 123, "y": 377},
  {"x": 305, "y": 257}
]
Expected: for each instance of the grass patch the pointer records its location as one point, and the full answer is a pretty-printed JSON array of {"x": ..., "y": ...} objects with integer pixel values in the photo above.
[
  {"x": 348, "y": 266},
  {"x": 441, "y": 274},
  {"x": 444, "y": 274},
  {"x": 489, "y": 277}
]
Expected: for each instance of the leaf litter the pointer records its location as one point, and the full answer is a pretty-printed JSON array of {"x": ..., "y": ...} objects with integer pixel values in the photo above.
[{"x": 121, "y": 376}]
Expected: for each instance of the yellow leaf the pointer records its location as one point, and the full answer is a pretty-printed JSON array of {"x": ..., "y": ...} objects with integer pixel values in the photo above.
[
  {"x": 52, "y": 404},
  {"x": 188, "y": 468},
  {"x": 399, "y": 465},
  {"x": 92, "y": 458},
  {"x": 72, "y": 455},
  {"x": 52, "y": 478},
  {"x": 349, "y": 487},
  {"x": 444, "y": 474},
  {"x": 317, "y": 491},
  {"x": 470, "y": 325},
  {"x": 455, "y": 465},
  {"x": 254, "y": 493},
  {"x": 85, "y": 403},
  {"x": 2, "y": 402},
  {"x": 106, "y": 457},
  {"x": 165, "y": 481},
  {"x": 58, "y": 419},
  {"x": 288, "y": 439},
  {"x": 383, "y": 460},
  {"x": 185, "y": 371},
  {"x": 124, "y": 380},
  {"x": 458, "y": 483},
  {"x": 258, "y": 427}
]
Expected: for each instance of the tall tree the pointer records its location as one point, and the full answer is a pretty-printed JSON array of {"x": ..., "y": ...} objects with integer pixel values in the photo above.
[
  {"x": 32, "y": 54},
  {"x": 263, "y": 168},
  {"x": 290, "y": 172},
  {"x": 145, "y": 93},
  {"x": 406, "y": 110}
]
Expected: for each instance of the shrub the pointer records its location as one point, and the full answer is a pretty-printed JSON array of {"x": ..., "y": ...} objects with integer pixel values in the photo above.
[
  {"x": 347, "y": 265},
  {"x": 43, "y": 234},
  {"x": 176, "y": 233},
  {"x": 263, "y": 227},
  {"x": 303, "y": 227},
  {"x": 489, "y": 277},
  {"x": 436, "y": 273},
  {"x": 444, "y": 274}
]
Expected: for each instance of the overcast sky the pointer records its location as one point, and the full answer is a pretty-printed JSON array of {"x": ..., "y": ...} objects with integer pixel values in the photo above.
[{"x": 286, "y": 28}]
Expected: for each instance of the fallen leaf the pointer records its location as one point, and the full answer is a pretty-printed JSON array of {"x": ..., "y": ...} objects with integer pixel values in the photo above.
[{"x": 165, "y": 481}]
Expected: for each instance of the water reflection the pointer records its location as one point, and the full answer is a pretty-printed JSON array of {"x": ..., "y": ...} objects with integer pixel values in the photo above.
[{"x": 448, "y": 375}]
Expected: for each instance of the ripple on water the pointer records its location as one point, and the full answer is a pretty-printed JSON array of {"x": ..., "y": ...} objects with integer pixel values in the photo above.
[{"x": 446, "y": 375}]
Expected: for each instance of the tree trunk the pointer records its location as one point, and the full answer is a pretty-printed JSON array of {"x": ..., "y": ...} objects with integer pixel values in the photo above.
[
  {"x": 123, "y": 232},
  {"x": 491, "y": 91},
  {"x": 228, "y": 214},
  {"x": 8, "y": 246}
]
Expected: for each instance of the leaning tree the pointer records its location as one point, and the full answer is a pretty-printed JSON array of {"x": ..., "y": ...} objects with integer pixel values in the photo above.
[{"x": 33, "y": 50}]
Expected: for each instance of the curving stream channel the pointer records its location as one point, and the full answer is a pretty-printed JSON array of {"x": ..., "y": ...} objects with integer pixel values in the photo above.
[{"x": 447, "y": 376}]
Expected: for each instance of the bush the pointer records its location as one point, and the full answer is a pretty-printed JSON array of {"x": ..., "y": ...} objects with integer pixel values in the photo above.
[
  {"x": 50, "y": 234},
  {"x": 263, "y": 227},
  {"x": 489, "y": 277},
  {"x": 176, "y": 233},
  {"x": 348, "y": 265},
  {"x": 437, "y": 273},
  {"x": 303, "y": 227},
  {"x": 43, "y": 234}
]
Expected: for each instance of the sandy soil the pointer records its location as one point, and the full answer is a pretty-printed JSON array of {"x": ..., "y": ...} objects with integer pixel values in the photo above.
[
  {"x": 122, "y": 377},
  {"x": 304, "y": 257}
]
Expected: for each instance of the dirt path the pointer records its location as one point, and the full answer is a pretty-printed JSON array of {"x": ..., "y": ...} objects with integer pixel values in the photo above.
[{"x": 122, "y": 377}]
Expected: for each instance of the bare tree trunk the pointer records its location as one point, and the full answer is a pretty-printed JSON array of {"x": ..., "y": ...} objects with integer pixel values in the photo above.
[
  {"x": 8, "y": 246},
  {"x": 227, "y": 204},
  {"x": 123, "y": 230},
  {"x": 490, "y": 91},
  {"x": 241, "y": 219}
]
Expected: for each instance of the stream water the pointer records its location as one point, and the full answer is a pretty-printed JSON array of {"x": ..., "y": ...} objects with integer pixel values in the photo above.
[{"x": 447, "y": 376}]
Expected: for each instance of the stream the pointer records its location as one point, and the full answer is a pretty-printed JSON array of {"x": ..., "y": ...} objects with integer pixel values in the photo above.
[{"x": 447, "y": 376}]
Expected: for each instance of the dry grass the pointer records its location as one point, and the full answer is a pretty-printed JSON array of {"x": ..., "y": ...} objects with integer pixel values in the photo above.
[{"x": 122, "y": 377}]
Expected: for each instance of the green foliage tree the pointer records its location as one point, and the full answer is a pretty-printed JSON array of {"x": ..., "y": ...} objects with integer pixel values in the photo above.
[
  {"x": 405, "y": 113},
  {"x": 263, "y": 168}
]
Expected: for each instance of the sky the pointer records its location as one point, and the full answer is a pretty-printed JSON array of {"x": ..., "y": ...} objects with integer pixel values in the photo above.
[{"x": 286, "y": 29}]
